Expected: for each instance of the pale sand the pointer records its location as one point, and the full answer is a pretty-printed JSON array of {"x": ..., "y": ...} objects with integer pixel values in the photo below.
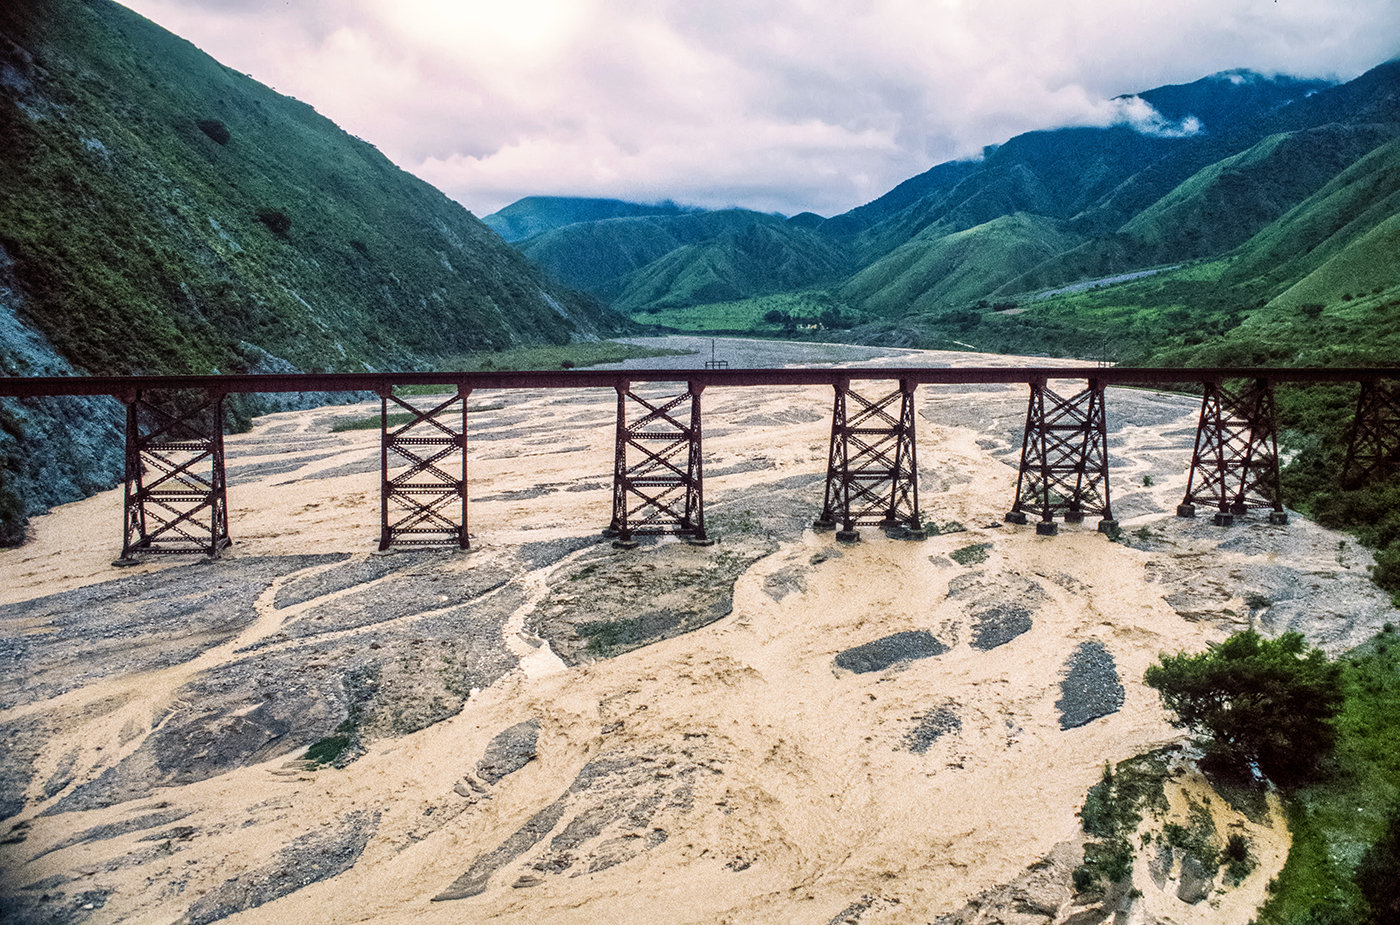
[{"x": 783, "y": 784}]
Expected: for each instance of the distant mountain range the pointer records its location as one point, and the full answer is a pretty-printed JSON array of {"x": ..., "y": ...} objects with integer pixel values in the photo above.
[{"x": 1262, "y": 173}]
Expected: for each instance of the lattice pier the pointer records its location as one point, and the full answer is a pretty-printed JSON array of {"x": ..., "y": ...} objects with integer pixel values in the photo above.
[
  {"x": 872, "y": 470},
  {"x": 1235, "y": 464},
  {"x": 176, "y": 499},
  {"x": 1373, "y": 448},
  {"x": 658, "y": 478},
  {"x": 1064, "y": 460},
  {"x": 424, "y": 503}
]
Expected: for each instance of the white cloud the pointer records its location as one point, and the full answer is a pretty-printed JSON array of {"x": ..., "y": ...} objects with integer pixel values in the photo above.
[{"x": 772, "y": 104}]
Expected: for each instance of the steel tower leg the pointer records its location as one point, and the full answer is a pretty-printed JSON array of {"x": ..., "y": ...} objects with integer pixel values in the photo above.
[
  {"x": 175, "y": 488},
  {"x": 1234, "y": 467},
  {"x": 658, "y": 471},
  {"x": 424, "y": 503},
  {"x": 872, "y": 467},
  {"x": 1064, "y": 460}
]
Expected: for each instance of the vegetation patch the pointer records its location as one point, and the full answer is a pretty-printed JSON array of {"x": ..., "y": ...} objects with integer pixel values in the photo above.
[
  {"x": 1326, "y": 733},
  {"x": 397, "y": 419},
  {"x": 1343, "y": 861},
  {"x": 611, "y": 637},
  {"x": 1257, "y": 703},
  {"x": 1111, "y": 814},
  {"x": 971, "y": 555}
]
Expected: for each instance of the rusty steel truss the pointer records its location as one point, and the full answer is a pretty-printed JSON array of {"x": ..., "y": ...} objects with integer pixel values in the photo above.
[
  {"x": 872, "y": 475},
  {"x": 175, "y": 487},
  {"x": 424, "y": 503},
  {"x": 658, "y": 476},
  {"x": 1373, "y": 445},
  {"x": 175, "y": 497},
  {"x": 1064, "y": 460},
  {"x": 1235, "y": 464}
]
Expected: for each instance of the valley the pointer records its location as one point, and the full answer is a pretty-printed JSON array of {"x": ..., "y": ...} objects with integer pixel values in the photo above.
[{"x": 546, "y": 728}]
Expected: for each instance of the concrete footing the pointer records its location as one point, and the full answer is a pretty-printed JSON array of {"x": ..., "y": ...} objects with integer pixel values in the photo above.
[
  {"x": 1108, "y": 526},
  {"x": 1017, "y": 517},
  {"x": 1222, "y": 519},
  {"x": 848, "y": 536},
  {"x": 1278, "y": 518},
  {"x": 1047, "y": 528},
  {"x": 1186, "y": 510}
]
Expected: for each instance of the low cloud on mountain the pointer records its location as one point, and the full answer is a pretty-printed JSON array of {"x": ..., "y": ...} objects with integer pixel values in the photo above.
[{"x": 779, "y": 105}]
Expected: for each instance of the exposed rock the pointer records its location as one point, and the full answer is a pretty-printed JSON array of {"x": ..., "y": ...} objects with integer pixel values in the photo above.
[
  {"x": 615, "y": 809},
  {"x": 307, "y": 860},
  {"x": 1196, "y": 882},
  {"x": 999, "y": 624},
  {"x": 509, "y": 751},
  {"x": 1037, "y": 897},
  {"x": 1090, "y": 688},
  {"x": 890, "y": 651},
  {"x": 784, "y": 582},
  {"x": 932, "y": 726}
]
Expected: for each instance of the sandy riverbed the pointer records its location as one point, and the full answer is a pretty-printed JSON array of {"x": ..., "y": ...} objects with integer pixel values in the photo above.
[{"x": 714, "y": 762}]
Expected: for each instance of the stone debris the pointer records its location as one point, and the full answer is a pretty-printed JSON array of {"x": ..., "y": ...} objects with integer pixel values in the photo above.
[
  {"x": 1090, "y": 688},
  {"x": 890, "y": 651}
]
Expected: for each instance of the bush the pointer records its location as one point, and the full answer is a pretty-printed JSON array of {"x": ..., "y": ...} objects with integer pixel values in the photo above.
[
  {"x": 276, "y": 220},
  {"x": 216, "y": 130},
  {"x": 1266, "y": 703},
  {"x": 1380, "y": 872}
]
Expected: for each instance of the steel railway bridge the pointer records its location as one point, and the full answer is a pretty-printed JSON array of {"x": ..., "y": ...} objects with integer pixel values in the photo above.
[{"x": 175, "y": 500}]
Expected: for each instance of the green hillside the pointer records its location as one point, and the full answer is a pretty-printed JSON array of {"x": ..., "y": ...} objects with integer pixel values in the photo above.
[
  {"x": 945, "y": 270},
  {"x": 534, "y": 215},
  {"x": 596, "y": 257},
  {"x": 765, "y": 256},
  {"x": 164, "y": 213}
]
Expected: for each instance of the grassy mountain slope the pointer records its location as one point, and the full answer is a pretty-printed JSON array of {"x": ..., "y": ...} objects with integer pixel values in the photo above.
[
  {"x": 1218, "y": 208},
  {"x": 935, "y": 181},
  {"x": 768, "y": 255},
  {"x": 1319, "y": 229},
  {"x": 953, "y": 269},
  {"x": 534, "y": 215},
  {"x": 164, "y": 213},
  {"x": 596, "y": 257}
]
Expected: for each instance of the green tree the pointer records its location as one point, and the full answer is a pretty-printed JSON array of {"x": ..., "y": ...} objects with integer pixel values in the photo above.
[{"x": 1270, "y": 703}]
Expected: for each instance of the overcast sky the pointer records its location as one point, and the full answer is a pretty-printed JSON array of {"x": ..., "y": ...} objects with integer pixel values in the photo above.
[{"x": 777, "y": 105}]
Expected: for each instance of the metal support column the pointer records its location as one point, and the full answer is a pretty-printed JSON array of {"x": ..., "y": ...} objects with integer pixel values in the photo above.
[
  {"x": 176, "y": 500},
  {"x": 429, "y": 495},
  {"x": 872, "y": 473},
  {"x": 1235, "y": 464},
  {"x": 658, "y": 477},
  {"x": 1373, "y": 445},
  {"x": 1064, "y": 460}
]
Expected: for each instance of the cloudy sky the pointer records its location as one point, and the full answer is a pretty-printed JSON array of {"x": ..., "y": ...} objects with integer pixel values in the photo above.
[{"x": 778, "y": 105}]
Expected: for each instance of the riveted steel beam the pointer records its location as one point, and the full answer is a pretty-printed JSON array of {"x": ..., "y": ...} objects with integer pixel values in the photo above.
[
  {"x": 423, "y": 462},
  {"x": 175, "y": 489},
  {"x": 1064, "y": 459},
  {"x": 658, "y": 472},
  {"x": 1234, "y": 467}
]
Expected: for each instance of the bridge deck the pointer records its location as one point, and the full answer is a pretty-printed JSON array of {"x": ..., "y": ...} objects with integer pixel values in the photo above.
[{"x": 36, "y": 386}]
